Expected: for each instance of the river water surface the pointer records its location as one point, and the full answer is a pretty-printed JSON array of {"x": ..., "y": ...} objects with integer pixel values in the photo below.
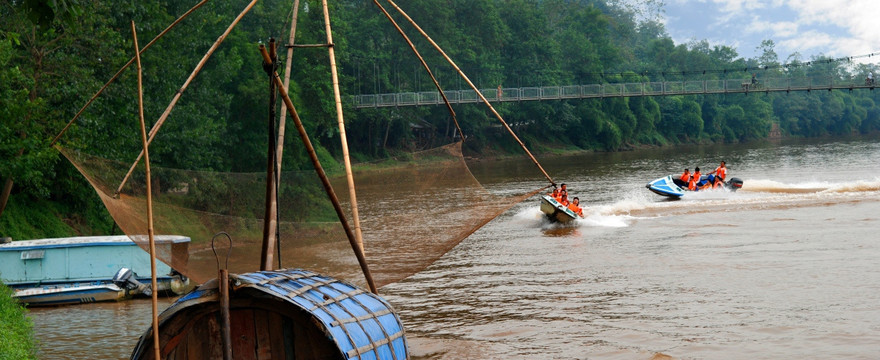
[{"x": 785, "y": 268}]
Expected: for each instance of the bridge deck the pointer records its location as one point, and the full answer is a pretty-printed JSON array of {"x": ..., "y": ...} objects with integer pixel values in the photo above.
[{"x": 665, "y": 88}]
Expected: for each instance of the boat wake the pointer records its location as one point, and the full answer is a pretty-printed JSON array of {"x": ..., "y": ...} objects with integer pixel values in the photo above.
[
  {"x": 533, "y": 217},
  {"x": 754, "y": 195}
]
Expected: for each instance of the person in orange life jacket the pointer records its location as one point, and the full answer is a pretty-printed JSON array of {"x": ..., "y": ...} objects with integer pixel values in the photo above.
[
  {"x": 562, "y": 190},
  {"x": 720, "y": 172},
  {"x": 686, "y": 176},
  {"x": 695, "y": 178},
  {"x": 563, "y": 198},
  {"x": 575, "y": 206},
  {"x": 683, "y": 180},
  {"x": 555, "y": 192}
]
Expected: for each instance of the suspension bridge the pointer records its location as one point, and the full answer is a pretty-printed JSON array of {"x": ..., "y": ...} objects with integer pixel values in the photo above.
[{"x": 611, "y": 90}]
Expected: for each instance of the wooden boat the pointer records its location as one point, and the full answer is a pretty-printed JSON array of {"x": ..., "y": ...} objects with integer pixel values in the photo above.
[
  {"x": 87, "y": 269},
  {"x": 555, "y": 211},
  {"x": 281, "y": 314}
]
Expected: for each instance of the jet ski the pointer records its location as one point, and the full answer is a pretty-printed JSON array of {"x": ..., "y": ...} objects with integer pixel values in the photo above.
[{"x": 675, "y": 188}]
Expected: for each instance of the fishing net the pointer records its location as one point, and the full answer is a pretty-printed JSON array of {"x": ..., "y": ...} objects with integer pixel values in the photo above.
[{"x": 412, "y": 212}]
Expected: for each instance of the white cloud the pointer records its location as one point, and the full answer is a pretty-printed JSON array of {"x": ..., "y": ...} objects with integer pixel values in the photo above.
[
  {"x": 810, "y": 27},
  {"x": 809, "y": 42},
  {"x": 780, "y": 29}
]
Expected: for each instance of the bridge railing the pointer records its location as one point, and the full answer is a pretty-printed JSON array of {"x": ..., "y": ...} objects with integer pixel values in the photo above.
[{"x": 610, "y": 90}]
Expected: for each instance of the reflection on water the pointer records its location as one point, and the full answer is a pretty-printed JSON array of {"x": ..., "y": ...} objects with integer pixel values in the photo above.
[
  {"x": 784, "y": 268},
  {"x": 107, "y": 330}
]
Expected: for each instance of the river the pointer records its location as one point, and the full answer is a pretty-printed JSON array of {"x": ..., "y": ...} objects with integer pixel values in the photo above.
[{"x": 783, "y": 268}]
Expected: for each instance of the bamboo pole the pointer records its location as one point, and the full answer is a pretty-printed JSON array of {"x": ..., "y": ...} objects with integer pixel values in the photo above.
[
  {"x": 88, "y": 103},
  {"x": 186, "y": 83},
  {"x": 324, "y": 180},
  {"x": 466, "y": 79},
  {"x": 424, "y": 64},
  {"x": 345, "y": 158},
  {"x": 282, "y": 122},
  {"x": 269, "y": 220},
  {"x": 287, "y": 63},
  {"x": 154, "y": 286}
]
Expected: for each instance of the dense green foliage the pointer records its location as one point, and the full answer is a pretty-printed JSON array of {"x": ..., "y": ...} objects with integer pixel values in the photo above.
[
  {"x": 16, "y": 330},
  {"x": 55, "y": 54}
]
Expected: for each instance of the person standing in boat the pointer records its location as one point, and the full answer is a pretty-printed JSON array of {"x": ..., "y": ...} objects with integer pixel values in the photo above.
[{"x": 720, "y": 174}]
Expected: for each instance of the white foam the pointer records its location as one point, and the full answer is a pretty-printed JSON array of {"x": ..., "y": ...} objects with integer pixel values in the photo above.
[{"x": 599, "y": 220}]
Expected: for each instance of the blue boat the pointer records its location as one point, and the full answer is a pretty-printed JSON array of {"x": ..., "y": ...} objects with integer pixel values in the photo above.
[
  {"x": 666, "y": 186},
  {"x": 280, "y": 314},
  {"x": 87, "y": 269},
  {"x": 675, "y": 188}
]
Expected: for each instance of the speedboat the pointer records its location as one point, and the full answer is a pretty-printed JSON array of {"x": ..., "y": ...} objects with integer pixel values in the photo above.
[
  {"x": 675, "y": 188},
  {"x": 555, "y": 211}
]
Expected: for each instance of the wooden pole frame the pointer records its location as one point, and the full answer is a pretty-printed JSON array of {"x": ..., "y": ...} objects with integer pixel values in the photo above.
[
  {"x": 186, "y": 83},
  {"x": 425, "y": 65},
  {"x": 471, "y": 84},
  {"x": 88, "y": 103},
  {"x": 154, "y": 286},
  {"x": 339, "y": 119},
  {"x": 325, "y": 181},
  {"x": 282, "y": 121},
  {"x": 270, "y": 220}
]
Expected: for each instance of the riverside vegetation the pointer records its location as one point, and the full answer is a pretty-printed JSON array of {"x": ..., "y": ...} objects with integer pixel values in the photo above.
[
  {"x": 55, "y": 54},
  {"x": 16, "y": 330}
]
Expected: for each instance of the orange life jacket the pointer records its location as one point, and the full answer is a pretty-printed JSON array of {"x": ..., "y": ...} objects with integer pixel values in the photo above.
[
  {"x": 694, "y": 179},
  {"x": 722, "y": 172},
  {"x": 576, "y": 209},
  {"x": 685, "y": 177}
]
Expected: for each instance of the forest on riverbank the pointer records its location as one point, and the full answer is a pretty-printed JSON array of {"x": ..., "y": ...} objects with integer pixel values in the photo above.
[{"x": 55, "y": 55}]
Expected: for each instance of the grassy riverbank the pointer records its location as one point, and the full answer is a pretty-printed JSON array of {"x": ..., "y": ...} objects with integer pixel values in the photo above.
[{"x": 16, "y": 329}]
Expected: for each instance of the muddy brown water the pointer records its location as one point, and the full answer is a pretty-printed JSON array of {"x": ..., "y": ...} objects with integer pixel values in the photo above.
[{"x": 784, "y": 268}]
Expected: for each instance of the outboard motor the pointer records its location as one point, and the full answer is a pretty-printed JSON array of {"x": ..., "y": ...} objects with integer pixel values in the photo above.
[
  {"x": 734, "y": 184},
  {"x": 125, "y": 279}
]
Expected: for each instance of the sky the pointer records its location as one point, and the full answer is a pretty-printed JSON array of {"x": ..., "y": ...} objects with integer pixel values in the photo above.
[{"x": 834, "y": 28}]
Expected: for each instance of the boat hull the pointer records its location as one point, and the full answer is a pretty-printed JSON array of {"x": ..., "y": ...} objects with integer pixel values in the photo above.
[
  {"x": 556, "y": 211},
  {"x": 665, "y": 186},
  {"x": 69, "y": 294}
]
